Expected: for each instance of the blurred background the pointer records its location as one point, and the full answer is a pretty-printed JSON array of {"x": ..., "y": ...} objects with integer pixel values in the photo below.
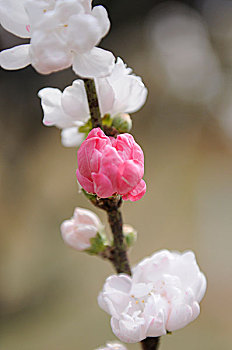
[{"x": 183, "y": 51}]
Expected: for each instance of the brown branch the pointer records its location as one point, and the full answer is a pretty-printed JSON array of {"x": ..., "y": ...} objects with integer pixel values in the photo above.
[
  {"x": 95, "y": 113},
  {"x": 118, "y": 253},
  {"x": 150, "y": 343}
]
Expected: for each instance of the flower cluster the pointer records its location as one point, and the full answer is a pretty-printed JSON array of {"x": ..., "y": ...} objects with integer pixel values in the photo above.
[
  {"x": 62, "y": 33},
  {"x": 162, "y": 295},
  {"x": 108, "y": 166},
  {"x": 164, "y": 291},
  {"x": 119, "y": 92}
]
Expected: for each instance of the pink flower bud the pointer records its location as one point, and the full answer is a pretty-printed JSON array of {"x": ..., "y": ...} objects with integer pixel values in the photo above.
[
  {"x": 107, "y": 166},
  {"x": 78, "y": 231}
]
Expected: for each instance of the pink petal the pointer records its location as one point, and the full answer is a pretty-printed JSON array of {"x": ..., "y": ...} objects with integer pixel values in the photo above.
[
  {"x": 110, "y": 165},
  {"x": 84, "y": 182},
  {"x": 96, "y": 132},
  {"x": 84, "y": 155},
  {"x": 95, "y": 161},
  {"x": 124, "y": 145},
  {"x": 102, "y": 185},
  {"x": 130, "y": 174},
  {"x": 137, "y": 193},
  {"x": 137, "y": 153}
]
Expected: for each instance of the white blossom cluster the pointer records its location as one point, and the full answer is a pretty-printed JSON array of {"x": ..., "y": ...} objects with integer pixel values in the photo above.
[
  {"x": 162, "y": 295},
  {"x": 62, "y": 33}
]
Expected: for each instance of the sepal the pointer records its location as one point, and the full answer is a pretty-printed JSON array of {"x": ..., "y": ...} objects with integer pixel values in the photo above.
[
  {"x": 98, "y": 244},
  {"x": 130, "y": 235}
]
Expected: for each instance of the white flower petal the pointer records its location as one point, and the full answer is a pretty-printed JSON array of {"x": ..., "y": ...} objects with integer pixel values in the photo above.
[
  {"x": 105, "y": 94},
  {"x": 74, "y": 101},
  {"x": 113, "y": 346},
  {"x": 100, "y": 13},
  {"x": 86, "y": 217},
  {"x": 36, "y": 11},
  {"x": 203, "y": 285},
  {"x": 15, "y": 58},
  {"x": 13, "y": 17},
  {"x": 120, "y": 70},
  {"x": 95, "y": 63},
  {"x": 53, "y": 111},
  {"x": 49, "y": 54},
  {"x": 102, "y": 303},
  {"x": 141, "y": 289},
  {"x": 128, "y": 331},
  {"x": 71, "y": 137},
  {"x": 120, "y": 282},
  {"x": 66, "y": 9},
  {"x": 180, "y": 316},
  {"x": 88, "y": 32},
  {"x": 78, "y": 237},
  {"x": 130, "y": 94}
]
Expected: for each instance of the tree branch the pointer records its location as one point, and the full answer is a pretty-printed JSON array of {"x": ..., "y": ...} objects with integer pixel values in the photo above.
[
  {"x": 150, "y": 343},
  {"x": 95, "y": 113},
  {"x": 118, "y": 253}
]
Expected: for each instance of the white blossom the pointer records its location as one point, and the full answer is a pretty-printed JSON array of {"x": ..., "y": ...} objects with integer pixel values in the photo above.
[
  {"x": 113, "y": 346},
  {"x": 162, "y": 295},
  {"x": 120, "y": 92},
  {"x": 62, "y": 33},
  {"x": 78, "y": 231}
]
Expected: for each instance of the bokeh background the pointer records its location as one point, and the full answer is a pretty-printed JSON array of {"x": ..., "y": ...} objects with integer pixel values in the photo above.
[{"x": 183, "y": 51}]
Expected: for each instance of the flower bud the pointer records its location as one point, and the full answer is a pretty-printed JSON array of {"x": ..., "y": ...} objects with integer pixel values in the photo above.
[
  {"x": 82, "y": 231},
  {"x": 122, "y": 122},
  {"x": 130, "y": 235},
  {"x": 109, "y": 166}
]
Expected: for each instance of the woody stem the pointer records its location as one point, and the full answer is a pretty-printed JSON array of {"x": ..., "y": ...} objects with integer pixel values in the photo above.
[{"x": 111, "y": 205}]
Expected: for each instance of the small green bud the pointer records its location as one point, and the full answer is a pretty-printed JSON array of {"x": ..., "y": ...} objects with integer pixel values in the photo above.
[
  {"x": 130, "y": 235},
  {"x": 98, "y": 244},
  {"x": 122, "y": 122}
]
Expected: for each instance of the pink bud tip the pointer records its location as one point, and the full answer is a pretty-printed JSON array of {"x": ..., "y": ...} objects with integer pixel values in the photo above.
[{"x": 28, "y": 28}]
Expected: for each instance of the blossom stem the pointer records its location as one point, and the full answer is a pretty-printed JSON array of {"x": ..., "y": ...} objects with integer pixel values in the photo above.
[
  {"x": 150, "y": 343},
  {"x": 118, "y": 253},
  {"x": 120, "y": 258},
  {"x": 95, "y": 113}
]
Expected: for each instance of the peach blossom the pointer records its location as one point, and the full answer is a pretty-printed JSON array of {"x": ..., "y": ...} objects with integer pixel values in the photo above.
[{"x": 108, "y": 166}]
